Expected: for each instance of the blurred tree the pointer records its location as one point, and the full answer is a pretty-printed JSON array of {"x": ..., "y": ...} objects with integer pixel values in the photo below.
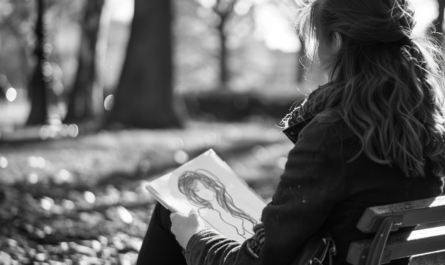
[
  {"x": 85, "y": 99},
  {"x": 144, "y": 95},
  {"x": 301, "y": 64},
  {"x": 41, "y": 76},
  {"x": 223, "y": 8},
  {"x": 16, "y": 21}
]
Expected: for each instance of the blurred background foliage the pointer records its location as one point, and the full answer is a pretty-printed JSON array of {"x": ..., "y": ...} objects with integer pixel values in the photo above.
[
  {"x": 217, "y": 46},
  {"x": 229, "y": 54}
]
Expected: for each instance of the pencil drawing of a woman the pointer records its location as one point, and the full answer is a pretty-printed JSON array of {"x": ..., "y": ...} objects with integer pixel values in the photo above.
[{"x": 207, "y": 192}]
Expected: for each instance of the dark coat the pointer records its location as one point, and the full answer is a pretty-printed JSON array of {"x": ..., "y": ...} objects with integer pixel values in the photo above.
[{"x": 319, "y": 186}]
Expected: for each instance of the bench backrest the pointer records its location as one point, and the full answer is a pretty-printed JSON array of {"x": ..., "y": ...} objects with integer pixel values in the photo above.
[{"x": 384, "y": 219}]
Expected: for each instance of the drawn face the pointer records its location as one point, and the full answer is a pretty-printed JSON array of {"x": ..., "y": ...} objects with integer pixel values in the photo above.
[{"x": 203, "y": 192}]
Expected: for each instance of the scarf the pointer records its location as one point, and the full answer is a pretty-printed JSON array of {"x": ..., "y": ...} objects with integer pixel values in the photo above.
[{"x": 304, "y": 111}]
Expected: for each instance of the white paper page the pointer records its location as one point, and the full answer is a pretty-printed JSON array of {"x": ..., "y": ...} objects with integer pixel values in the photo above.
[{"x": 221, "y": 198}]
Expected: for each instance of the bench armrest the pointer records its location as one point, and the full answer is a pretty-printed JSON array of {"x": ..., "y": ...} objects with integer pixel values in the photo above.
[{"x": 400, "y": 245}]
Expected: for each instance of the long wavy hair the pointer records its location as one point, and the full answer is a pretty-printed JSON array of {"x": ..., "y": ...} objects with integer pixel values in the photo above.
[
  {"x": 386, "y": 85},
  {"x": 187, "y": 182}
]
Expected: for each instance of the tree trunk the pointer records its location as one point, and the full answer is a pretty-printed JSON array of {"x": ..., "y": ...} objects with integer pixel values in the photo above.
[
  {"x": 144, "y": 95},
  {"x": 82, "y": 104},
  {"x": 39, "y": 82},
  {"x": 223, "y": 53},
  {"x": 223, "y": 8}
]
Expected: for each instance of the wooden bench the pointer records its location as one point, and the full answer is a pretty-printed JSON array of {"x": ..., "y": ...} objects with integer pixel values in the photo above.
[{"x": 426, "y": 243}]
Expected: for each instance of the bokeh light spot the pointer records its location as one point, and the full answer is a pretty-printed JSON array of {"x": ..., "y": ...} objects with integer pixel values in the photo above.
[
  {"x": 175, "y": 143},
  {"x": 124, "y": 214},
  {"x": 180, "y": 157},
  {"x": 3, "y": 162},
  {"x": 46, "y": 203},
  {"x": 89, "y": 197},
  {"x": 97, "y": 246},
  {"x": 67, "y": 204},
  {"x": 73, "y": 130},
  {"x": 207, "y": 3},
  {"x": 33, "y": 178},
  {"x": 109, "y": 102},
  {"x": 47, "y": 69},
  {"x": 63, "y": 176},
  {"x": 44, "y": 132},
  {"x": 11, "y": 94},
  {"x": 242, "y": 7},
  {"x": 36, "y": 162},
  {"x": 64, "y": 246}
]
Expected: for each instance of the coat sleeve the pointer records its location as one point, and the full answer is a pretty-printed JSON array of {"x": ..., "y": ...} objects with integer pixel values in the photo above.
[{"x": 311, "y": 185}]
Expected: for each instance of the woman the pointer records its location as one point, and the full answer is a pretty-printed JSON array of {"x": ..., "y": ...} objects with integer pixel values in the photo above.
[
  {"x": 204, "y": 190},
  {"x": 372, "y": 135}
]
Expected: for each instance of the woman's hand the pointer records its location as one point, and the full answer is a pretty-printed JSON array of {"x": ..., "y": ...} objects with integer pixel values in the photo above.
[{"x": 185, "y": 226}]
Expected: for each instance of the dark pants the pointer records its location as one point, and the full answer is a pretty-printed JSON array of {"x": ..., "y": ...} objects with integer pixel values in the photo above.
[{"x": 160, "y": 245}]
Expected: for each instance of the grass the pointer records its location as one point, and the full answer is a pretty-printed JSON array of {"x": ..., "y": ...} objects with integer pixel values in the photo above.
[{"x": 82, "y": 200}]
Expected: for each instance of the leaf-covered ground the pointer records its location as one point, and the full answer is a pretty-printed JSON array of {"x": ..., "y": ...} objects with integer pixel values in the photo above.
[{"x": 82, "y": 200}]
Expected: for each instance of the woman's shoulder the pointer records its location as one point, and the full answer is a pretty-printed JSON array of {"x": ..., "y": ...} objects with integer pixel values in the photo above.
[{"x": 328, "y": 127}]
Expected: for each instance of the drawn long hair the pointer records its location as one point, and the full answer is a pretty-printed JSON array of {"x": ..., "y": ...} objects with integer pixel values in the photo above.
[
  {"x": 187, "y": 182},
  {"x": 386, "y": 85}
]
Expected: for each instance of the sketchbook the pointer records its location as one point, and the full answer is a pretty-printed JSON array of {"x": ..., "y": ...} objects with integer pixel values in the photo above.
[{"x": 209, "y": 185}]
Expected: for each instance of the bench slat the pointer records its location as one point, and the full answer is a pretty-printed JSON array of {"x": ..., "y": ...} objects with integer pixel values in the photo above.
[
  {"x": 429, "y": 259},
  {"x": 401, "y": 245},
  {"x": 412, "y": 213}
]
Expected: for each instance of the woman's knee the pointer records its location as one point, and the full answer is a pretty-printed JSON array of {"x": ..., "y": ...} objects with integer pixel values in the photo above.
[{"x": 161, "y": 216}]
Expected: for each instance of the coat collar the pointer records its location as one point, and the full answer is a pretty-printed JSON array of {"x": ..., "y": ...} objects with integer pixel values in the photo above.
[{"x": 293, "y": 131}]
